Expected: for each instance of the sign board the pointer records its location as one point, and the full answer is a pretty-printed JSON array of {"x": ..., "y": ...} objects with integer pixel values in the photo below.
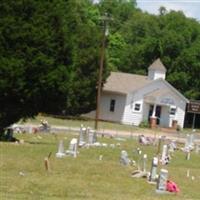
[
  {"x": 167, "y": 101},
  {"x": 193, "y": 107}
]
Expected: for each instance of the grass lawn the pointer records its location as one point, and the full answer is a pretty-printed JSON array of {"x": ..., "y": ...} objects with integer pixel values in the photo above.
[{"x": 85, "y": 177}]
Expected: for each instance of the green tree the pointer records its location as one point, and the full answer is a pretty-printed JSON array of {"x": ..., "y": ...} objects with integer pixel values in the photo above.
[
  {"x": 49, "y": 57},
  {"x": 34, "y": 59}
]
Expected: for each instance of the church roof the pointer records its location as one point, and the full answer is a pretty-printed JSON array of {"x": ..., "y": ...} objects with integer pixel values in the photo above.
[
  {"x": 124, "y": 83},
  {"x": 157, "y": 65}
]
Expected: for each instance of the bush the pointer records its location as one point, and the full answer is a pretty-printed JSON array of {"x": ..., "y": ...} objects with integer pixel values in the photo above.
[
  {"x": 144, "y": 124},
  {"x": 178, "y": 128}
]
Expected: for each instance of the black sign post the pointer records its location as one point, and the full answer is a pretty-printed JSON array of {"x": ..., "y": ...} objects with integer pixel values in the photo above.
[{"x": 194, "y": 107}]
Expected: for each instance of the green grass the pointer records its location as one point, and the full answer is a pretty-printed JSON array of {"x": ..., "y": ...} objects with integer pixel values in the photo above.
[{"x": 85, "y": 177}]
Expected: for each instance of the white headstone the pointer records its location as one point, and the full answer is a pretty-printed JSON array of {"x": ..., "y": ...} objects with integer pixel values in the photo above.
[
  {"x": 144, "y": 162},
  {"x": 139, "y": 159},
  {"x": 153, "y": 173},
  {"x": 112, "y": 145},
  {"x": 189, "y": 143},
  {"x": 92, "y": 137},
  {"x": 104, "y": 144},
  {"x": 124, "y": 160},
  {"x": 188, "y": 173},
  {"x": 61, "y": 151},
  {"x": 100, "y": 157},
  {"x": 162, "y": 180},
  {"x": 164, "y": 155},
  {"x": 197, "y": 148},
  {"x": 172, "y": 146},
  {"x": 72, "y": 148},
  {"x": 30, "y": 129},
  {"x": 82, "y": 136}
]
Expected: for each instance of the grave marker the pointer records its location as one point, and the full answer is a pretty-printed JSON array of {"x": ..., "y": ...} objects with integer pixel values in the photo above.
[
  {"x": 172, "y": 146},
  {"x": 92, "y": 137},
  {"x": 165, "y": 157},
  {"x": 188, "y": 173},
  {"x": 82, "y": 136},
  {"x": 61, "y": 151},
  {"x": 124, "y": 160},
  {"x": 162, "y": 180},
  {"x": 153, "y": 173},
  {"x": 139, "y": 159},
  {"x": 72, "y": 148},
  {"x": 189, "y": 143},
  {"x": 144, "y": 162},
  {"x": 197, "y": 148}
]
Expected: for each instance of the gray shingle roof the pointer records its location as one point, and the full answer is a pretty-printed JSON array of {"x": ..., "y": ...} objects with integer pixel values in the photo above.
[
  {"x": 125, "y": 83},
  {"x": 157, "y": 65}
]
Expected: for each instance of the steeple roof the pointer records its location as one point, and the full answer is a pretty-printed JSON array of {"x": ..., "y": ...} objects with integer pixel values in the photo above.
[{"x": 158, "y": 65}]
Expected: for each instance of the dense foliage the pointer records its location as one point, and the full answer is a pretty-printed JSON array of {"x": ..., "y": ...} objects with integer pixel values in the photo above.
[{"x": 49, "y": 52}]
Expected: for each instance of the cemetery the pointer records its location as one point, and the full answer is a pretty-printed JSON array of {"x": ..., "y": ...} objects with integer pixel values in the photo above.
[
  {"x": 89, "y": 165},
  {"x": 100, "y": 100}
]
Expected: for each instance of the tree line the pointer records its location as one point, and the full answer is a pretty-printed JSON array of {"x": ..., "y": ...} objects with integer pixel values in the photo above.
[{"x": 50, "y": 52}]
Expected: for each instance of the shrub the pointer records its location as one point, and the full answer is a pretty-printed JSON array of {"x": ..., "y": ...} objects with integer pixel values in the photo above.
[{"x": 144, "y": 124}]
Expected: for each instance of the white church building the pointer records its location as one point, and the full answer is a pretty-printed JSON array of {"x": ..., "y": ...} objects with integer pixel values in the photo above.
[{"x": 131, "y": 99}]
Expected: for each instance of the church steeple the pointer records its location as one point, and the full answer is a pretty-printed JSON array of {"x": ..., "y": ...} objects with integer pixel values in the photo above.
[{"x": 156, "y": 70}]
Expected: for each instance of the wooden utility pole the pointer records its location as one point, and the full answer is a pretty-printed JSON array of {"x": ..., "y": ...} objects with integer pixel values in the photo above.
[{"x": 102, "y": 55}]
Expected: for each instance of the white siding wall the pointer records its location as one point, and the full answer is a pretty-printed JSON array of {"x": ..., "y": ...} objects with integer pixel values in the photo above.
[
  {"x": 180, "y": 113},
  {"x": 132, "y": 117},
  {"x": 145, "y": 111},
  {"x": 105, "y": 113}
]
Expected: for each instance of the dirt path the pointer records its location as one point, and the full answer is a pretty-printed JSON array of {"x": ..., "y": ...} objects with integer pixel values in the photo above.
[{"x": 168, "y": 133}]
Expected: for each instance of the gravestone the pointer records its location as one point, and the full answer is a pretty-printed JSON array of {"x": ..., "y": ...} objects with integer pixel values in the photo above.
[
  {"x": 143, "y": 140},
  {"x": 92, "y": 137},
  {"x": 189, "y": 143},
  {"x": 172, "y": 146},
  {"x": 142, "y": 160},
  {"x": 139, "y": 160},
  {"x": 112, "y": 145},
  {"x": 144, "y": 163},
  {"x": 104, "y": 145},
  {"x": 162, "y": 180},
  {"x": 72, "y": 148},
  {"x": 153, "y": 173},
  {"x": 82, "y": 136},
  {"x": 197, "y": 148},
  {"x": 100, "y": 157},
  {"x": 124, "y": 160},
  {"x": 61, "y": 151},
  {"x": 165, "y": 156},
  {"x": 188, "y": 173}
]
